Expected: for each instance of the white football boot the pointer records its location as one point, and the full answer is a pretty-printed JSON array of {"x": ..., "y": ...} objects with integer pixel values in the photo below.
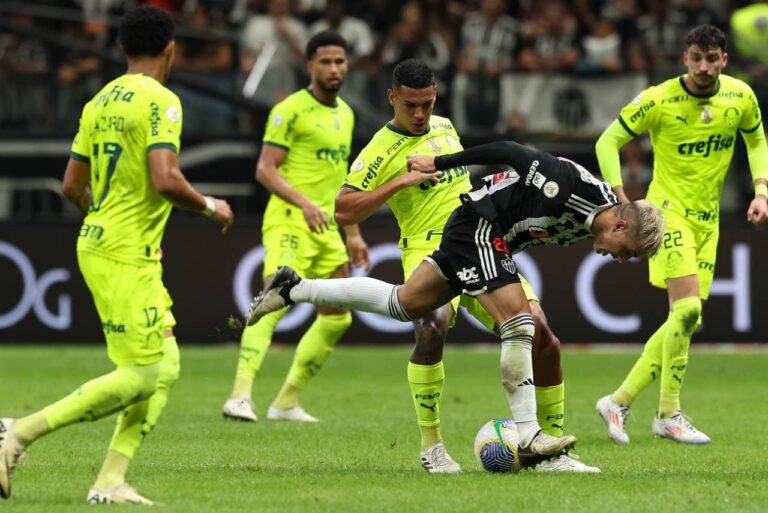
[
  {"x": 239, "y": 408},
  {"x": 121, "y": 494},
  {"x": 564, "y": 463},
  {"x": 296, "y": 414},
  {"x": 678, "y": 428},
  {"x": 615, "y": 417},
  {"x": 436, "y": 460},
  {"x": 10, "y": 452}
]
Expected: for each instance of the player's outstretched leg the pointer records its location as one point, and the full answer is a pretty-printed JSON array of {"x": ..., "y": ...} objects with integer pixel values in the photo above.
[
  {"x": 275, "y": 296},
  {"x": 10, "y": 452}
]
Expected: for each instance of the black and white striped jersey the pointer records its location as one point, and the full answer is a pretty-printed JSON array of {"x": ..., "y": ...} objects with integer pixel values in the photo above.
[{"x": 542, "y": 199}]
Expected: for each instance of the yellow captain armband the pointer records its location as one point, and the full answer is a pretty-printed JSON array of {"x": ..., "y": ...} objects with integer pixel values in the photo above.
[{"x": 761, "y": 189}]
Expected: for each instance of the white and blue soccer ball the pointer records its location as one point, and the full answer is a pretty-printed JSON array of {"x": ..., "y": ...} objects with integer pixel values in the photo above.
[{"x": 497, "y": 446}]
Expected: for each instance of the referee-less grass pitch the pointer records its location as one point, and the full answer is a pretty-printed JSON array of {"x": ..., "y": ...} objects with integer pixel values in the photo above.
[{"x": 363, "y": 456}]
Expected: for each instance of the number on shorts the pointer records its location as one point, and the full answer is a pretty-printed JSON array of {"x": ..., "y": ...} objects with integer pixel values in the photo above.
[
  {"x": 673, "y": 239},
  {"x": 151, "y": 318},
  {"x": 289, "y": 241}
]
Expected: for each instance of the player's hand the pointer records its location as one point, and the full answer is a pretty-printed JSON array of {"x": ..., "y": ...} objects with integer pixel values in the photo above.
[
  {"x": 358, "y": 252},
  {"x": 757, "y": 214},
  {"x": 223, "y": 214},
  {"x": 618, "y": 190},
  {"x": 314, "y": 217},
  {"x": 421, "y": 163}
]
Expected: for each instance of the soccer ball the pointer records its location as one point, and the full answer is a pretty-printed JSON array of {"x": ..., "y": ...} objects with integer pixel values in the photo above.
[{"x": 496, "y": 446}]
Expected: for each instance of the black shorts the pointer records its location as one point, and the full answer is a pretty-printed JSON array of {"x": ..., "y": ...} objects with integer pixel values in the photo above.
[{"x": 473, "y": 255}]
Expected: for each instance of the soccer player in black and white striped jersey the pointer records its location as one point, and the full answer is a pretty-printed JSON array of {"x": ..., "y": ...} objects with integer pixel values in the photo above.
[{"x": 542, "y": 199}]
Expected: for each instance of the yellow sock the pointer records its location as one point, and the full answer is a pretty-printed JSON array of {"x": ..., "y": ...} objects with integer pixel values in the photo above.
[
  {"x": 684, "y": 318},
  {"x": 113, "y": 471},
  {"x": 550, "y": 409},
  {"x": 646, "y": 369},
  {"x": 426, "y": 382},
  {"x": 430, "y": 435},
  {"x": 313, "y": 350},
  {"x": 254, "y": 343}
]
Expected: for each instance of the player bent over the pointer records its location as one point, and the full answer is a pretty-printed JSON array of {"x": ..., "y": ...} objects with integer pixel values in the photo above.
[{"x": 556, "y": 198}]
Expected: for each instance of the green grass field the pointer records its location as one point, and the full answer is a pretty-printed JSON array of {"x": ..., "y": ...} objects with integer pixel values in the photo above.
[{"x": 363, "y": 456}]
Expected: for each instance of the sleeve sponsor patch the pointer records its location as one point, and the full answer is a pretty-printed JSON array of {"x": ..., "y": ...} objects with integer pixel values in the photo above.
[{"x": 173, "y": 114}]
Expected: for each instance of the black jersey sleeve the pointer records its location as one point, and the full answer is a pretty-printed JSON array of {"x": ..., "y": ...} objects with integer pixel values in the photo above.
[{"x": 509, "y": 153}]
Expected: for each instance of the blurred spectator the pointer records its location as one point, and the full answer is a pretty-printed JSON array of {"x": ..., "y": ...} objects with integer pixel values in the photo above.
[
  {"x": 622, "y": 14},
  {"x": 380, "y": 15},
  {"x": 24, "y": 90},
  {"x": 205, "y": 53},
  {"x": 551, "y": 38},
  {"x": 273, "y": 44},
  {"x": 79, "y": 71},
  {"x": 209, "y": 59},
  {"x": 487, "y": 49},
  {"x": 411, "y": 38},
  {"x": 601, "y": 50},
  {"x": 635, "y": 170},
  {"x": 356, "y": 32},
  {"x": 697, "y": 12},
  {"x": 662, "y": 31},
  {"x": 360, "y": 41},
  {"x": 310, "y": 10}
]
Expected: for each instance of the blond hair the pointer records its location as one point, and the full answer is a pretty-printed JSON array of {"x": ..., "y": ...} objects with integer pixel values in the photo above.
[{"x": 646, "y": 225}]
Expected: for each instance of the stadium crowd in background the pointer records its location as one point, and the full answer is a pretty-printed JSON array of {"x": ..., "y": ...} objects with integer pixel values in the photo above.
[
  {"x": 484, "y": 39},
  {"x": 237, "y": 58}
]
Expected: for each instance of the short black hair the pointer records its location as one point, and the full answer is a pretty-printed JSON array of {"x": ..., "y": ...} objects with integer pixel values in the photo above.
[
  {"x": 706, "y": 37},
  {"x": 324, "y": 38},
  {"x": 412, "y": 73},
  {"x": 146, "y": 31}
]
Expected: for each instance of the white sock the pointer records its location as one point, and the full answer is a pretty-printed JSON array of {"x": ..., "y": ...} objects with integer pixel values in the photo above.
[
  {"x": 517, "y": 374},
  {"x": 365, "y": 294}
]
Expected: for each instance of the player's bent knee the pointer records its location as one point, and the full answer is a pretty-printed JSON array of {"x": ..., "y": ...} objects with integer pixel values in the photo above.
[
  {"x": 688, "y": 312},
  {"x": 519, "y": 329},
  {"x": 139, "y": 382},
  {"x": 170, "y": 365}
]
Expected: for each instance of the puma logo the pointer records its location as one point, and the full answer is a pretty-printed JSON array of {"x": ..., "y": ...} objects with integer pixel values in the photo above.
[
  {"x": 430, "y": 408},
  {"x": 684, "y": 120}
]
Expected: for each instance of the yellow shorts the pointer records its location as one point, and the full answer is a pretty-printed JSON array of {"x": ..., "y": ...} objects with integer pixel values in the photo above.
[
  {"x": 684, "y": 252},
  {"x": 312, "y": 255},
  {"x": 133, "y": 305},
  {"x": 415, "y": 253}
]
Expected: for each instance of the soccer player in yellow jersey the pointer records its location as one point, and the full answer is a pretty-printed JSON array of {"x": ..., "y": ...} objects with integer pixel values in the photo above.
[
  {"x": 303, "y": 162},
  {"x": 422, "y": 207},
  {"x": 693, "y": 122},
  {"x": 124, "y": 174}
]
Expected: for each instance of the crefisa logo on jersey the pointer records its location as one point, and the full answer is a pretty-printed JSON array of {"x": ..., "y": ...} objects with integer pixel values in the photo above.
[{"x": 715, "y": 142}]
